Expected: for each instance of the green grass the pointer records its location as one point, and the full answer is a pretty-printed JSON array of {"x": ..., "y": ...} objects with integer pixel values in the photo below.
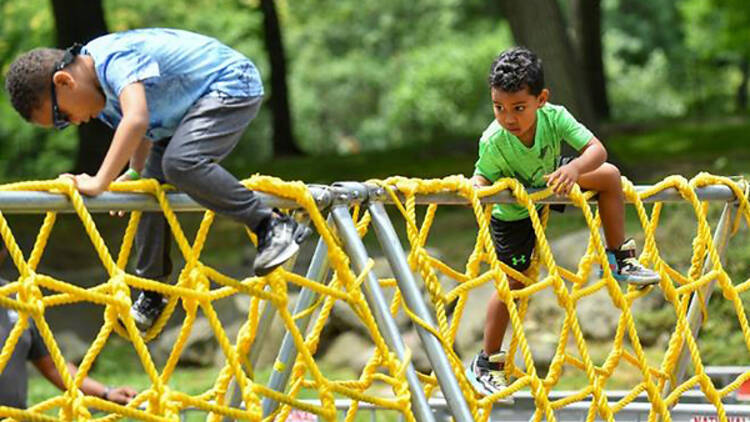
[{"x": 682, "y": 148}]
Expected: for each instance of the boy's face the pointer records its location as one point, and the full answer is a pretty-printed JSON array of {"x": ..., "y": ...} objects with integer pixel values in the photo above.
[
  {"x": 77, "y": 101},
  {"x": 516, "y": 111}
]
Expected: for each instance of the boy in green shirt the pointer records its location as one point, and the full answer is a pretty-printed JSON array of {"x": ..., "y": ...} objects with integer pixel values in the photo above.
[{"x": 524, "y": 142}]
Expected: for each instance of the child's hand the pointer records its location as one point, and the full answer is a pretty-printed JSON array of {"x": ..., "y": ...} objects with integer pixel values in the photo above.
[
  {"x": 121, "y": 395},
  {"x": 125, "y": 177},
  {"x": 87, "y": 185},
  {"x": 562, "y": 179}
]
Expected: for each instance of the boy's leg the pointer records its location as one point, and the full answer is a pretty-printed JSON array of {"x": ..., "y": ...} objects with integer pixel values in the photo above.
[
  {"x": 514, "y": 244},
  {"x": 206, "y": 135},
  {"x": 152, "y": 245},
  {"x": 606, "y": 181},
  {"x": 611, "y": 200}
]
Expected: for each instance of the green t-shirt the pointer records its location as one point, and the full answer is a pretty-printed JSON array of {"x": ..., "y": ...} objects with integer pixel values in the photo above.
[{"x": 502, "y": 154}]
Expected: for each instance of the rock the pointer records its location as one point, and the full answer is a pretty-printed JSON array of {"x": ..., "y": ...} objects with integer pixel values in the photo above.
[
  {"x": 569, "y": 248},
  {"x": 199, "y": 350},
  {"x": 543, "y": 346},
  {"x": 598, "y": 316},
  {"x": 350, "y": 351}
]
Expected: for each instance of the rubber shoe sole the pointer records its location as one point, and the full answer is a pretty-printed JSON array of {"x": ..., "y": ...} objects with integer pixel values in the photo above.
[
  {"x": 300, "y": 234},
  {"x": 483, "y": 391}
]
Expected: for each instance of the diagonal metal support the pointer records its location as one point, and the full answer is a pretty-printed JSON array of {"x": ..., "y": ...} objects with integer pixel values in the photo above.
[
  {"x": 317, "y": 271},
  {"x": 694, "y": 315},
  {"x": 376, "y": 300},
  {"x": 413, "y": 298},
  {"x": 282, "y": 368}
]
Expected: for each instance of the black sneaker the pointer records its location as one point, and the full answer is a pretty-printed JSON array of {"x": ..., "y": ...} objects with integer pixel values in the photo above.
[
  {"x": 147, "y": 309},
  {"x": 278, "y": 241}
]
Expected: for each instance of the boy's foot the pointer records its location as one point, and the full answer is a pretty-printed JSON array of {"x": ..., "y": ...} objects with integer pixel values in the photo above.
[
  {"x": 147, "y": 308},
  {"x": 486, "y": 374},
  {"x": 625, "y": 266},
  {"x": 278, "y": 240}
]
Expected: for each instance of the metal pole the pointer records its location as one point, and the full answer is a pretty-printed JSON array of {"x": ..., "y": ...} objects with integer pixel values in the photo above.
[
  {"x": 413, "y": 299},
  {"x": 36, "y": 202},
  {"x": 374, "y": 295},
  {"x": 288, "y": 353},
  {"x": 694, "y": 315},
  {"x": 707, "y": 193}
]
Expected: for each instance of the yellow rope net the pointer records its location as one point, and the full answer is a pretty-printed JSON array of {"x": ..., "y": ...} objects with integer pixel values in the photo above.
[{"x": 193, "y": 291}]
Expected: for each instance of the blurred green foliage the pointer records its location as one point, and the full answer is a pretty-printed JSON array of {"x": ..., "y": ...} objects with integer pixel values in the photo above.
[{"x": 366, "y": 77}]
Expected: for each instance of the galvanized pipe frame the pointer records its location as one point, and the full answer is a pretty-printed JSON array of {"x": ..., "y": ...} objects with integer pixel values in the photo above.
[{"x": 35, "y": 202}]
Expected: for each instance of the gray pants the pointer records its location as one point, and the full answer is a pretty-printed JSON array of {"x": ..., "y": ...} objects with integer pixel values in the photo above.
[{"x": 189, "y": 161}]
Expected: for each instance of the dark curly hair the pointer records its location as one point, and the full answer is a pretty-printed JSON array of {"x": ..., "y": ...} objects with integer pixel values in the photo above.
[
  {"x": 29, "y": 78},
  {"x": 515, "y": 69}
]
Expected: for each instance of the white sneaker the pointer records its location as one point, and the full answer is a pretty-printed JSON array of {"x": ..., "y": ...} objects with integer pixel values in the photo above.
[
  {"x": 625, "y": 266},
  {"x": 487, "y": 375}
]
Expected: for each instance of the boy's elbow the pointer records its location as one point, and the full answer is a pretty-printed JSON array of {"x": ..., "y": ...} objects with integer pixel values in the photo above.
[
  {"x": 599, "y": 148},
  {"x": 136, "y": 122}
]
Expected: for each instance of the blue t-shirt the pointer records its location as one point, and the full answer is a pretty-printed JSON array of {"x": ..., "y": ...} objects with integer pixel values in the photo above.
[{"x": 176, "y": 68}]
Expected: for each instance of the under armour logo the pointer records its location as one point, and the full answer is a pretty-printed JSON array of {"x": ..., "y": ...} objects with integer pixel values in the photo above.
[{"x": 521, "y": 259}]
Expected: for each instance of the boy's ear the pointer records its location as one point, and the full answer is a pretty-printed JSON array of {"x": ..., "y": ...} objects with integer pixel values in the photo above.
[
  {"x": 543, "y": 96},
  {"x": 62, "y": 78}
]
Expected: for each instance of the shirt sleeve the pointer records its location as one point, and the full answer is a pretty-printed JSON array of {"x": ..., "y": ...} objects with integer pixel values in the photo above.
[
  {"x": 573, "y": 132},
  {"x": 127, "y": 67},
  {"x": 486, "y": 165},
  {"x": 38, "y": 349}
]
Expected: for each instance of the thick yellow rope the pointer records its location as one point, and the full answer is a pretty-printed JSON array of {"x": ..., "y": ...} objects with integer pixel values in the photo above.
[{"x": 193, "y": 292}]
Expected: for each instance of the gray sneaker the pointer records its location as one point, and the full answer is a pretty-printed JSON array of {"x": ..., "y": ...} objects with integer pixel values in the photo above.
[
  {"x": 487, "y": 375},
  {"x": 625, "y": 266},
  {"x": 278, "y": 241},
  {"x": 147, "y": 308}
]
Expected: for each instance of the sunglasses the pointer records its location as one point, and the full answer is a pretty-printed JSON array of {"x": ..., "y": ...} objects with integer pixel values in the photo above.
[{"x": 59, "y": 119}]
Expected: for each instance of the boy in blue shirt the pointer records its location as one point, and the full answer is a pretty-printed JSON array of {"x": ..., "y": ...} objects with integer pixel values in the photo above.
[
  {"x": 179, "y": 103},
  {"x": 524, "y": 142}
]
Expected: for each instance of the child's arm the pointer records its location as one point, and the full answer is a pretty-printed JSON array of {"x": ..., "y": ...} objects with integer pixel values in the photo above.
[
  {"x": 593, "y": 155},
  {"x": 127, "y": 140},
  {"x": 478, "y": 181},
  {"x": 138, "y": 160}
]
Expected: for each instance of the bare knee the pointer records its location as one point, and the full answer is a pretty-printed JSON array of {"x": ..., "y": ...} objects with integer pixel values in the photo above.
[{"x": 608, "y": 178}]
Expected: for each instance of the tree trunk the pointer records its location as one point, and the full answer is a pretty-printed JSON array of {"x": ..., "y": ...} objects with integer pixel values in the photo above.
[
  {"x": 82, "y": 21},
  {"x": 283, "y": 136},
  {"x": 742, "y": 89},
  {"x": 587, "y": 23},
  {"x": 539, "y": 25}
]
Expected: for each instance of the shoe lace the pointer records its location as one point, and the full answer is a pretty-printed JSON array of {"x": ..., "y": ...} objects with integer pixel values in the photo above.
[
  {"x": 497, "y": 377},
  {"x": 631, "y": 262},
  {"x": 145, "y": 302}
]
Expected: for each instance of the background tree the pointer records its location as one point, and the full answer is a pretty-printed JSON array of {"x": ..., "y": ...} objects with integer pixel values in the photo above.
[
  {"x": 719, "y": 34},
  {"x": 82, "y": 21},
  {"x": 283, "y": 136},
  {"x": 586, "y": 17},
  {"x": 539, "y": 25}
]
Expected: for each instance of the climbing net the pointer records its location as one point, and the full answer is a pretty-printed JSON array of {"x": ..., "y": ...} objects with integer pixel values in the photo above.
[{"x": 33, "y": 293}]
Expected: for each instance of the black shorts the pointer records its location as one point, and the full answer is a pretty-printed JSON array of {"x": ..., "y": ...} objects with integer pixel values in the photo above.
[{"x": 514, "y": 242}]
